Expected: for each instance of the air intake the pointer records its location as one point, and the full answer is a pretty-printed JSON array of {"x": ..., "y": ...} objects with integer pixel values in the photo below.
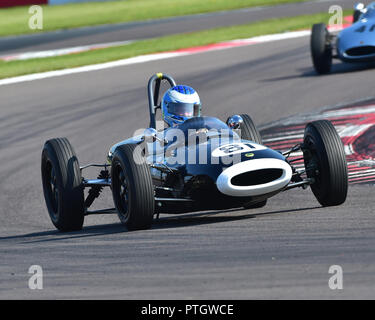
[
  {"x": 361, "y": 51},
  {"x": 256, "y": 177}
]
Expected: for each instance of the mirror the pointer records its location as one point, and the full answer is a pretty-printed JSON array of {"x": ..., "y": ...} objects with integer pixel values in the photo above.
[
  {"x": 150, "y": 135},
  {"x": 234, "y": 122}
]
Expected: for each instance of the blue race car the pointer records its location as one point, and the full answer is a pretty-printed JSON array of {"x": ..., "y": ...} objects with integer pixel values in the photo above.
[{"x": 353, "y": 44}]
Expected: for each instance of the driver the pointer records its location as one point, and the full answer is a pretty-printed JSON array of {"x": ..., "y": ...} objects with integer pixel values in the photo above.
[{"x": 179, "y": 104}]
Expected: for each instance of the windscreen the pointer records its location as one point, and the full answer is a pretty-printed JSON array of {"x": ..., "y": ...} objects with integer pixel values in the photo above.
[{"x": 183, "y": 109}]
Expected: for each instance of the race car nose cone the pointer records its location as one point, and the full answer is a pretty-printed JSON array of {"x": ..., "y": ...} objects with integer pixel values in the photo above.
[{"x": 254, "y": 177}]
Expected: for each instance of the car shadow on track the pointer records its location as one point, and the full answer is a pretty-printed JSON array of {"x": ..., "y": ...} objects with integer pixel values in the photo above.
[
  {"x": 337, "y": 68},
  {"x": 165, "y": 222},
  {"x": 55, "y": 235},
  {"x": 194, "y": 219}
]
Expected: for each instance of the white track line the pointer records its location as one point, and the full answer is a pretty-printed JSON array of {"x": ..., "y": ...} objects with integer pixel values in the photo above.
[
  {"x": 157, "y": 56},
  {"x": 61, "y": 52},
  {"x": 94, "y": 67}
]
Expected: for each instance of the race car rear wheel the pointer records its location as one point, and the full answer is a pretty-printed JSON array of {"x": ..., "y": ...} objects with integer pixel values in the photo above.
[
  {"x": 248, "y": 129},
  {"x": 62, "y": 185},
  {"x": 321, "y": 51},
  {"x": 325, "y": 162},
  {"x": 132, "y": 187},
  {"x": 250, "y": 132}
]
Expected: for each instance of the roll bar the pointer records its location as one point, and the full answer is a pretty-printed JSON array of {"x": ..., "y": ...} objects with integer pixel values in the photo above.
[{"x": 153, "y": 94}]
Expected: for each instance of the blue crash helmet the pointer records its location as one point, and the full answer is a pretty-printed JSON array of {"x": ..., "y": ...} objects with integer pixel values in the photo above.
[{"x": 179, "y": 104}]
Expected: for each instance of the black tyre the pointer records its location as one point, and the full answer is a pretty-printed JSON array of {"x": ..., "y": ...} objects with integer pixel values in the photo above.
[
  {"x": 356, "y": 15},
  {"x": 248, "y": 130},
  {"x": 62, "y": 185},
  {"x": 321, "y": 51},
  {"x": 325, "y": 162},
  {"x": 132, "y": 187}
]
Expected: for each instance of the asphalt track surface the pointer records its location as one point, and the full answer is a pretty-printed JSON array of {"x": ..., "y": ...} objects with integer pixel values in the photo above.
[
  {"x": 158, "y": 28},
  {"x": 282, "y": 251}
]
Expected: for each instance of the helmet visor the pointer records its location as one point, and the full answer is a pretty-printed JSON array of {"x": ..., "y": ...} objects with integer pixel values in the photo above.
[{"x": 184, "y": 109}]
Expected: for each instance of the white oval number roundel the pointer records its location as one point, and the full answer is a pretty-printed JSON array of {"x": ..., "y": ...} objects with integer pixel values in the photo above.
[{"x": 234, "y": 148}]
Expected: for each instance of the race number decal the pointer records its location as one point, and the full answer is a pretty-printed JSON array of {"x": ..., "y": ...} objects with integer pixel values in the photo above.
[
  {"x": 234, "y": 148},
  {"x": 231, "y": 148}
]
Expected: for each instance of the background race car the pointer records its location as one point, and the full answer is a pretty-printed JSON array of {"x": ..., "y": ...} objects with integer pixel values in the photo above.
[{"x": 353, "y": 44}]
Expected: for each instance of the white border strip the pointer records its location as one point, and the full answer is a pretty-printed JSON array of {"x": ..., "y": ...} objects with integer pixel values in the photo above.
[
  {"x": 156, "y": 56},
  {"x": 61, "y": 52},
  {"x": 94, "y": 67}
]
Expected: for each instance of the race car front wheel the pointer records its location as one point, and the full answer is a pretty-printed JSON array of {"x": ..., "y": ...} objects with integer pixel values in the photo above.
[
  {"x": 321, "y": 51},
  {"x": 62, "y": 185},
  {"x": 132, "y": 187},
  {"x": 325, "y": 163}
]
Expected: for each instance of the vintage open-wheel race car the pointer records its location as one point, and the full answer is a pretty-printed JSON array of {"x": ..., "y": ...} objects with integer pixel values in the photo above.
[
  {"x": 355, "y": 43},
  {"x": 201, "y": 164}
]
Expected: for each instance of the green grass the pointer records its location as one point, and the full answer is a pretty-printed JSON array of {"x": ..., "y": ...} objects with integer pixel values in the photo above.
[
  {"x": 14, "y": 21},
  {"x": 16, "y": 68}
]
